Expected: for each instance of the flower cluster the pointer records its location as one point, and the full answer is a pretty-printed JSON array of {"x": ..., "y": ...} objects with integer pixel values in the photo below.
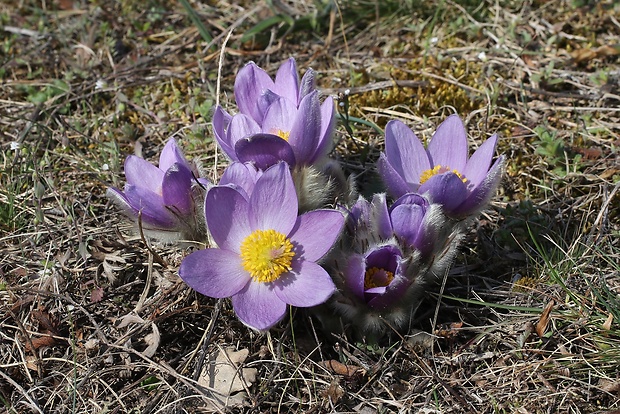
[{"x": 284, "y": 225}]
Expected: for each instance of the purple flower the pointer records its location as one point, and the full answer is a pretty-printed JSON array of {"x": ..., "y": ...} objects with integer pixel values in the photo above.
[
  {"x": 279, "y": 120},
  {"x": 443, "y": 171},
  {"x": 411, "y": 219},
  {"x": 376, "y": 277},
  {"x": 387, "y": 258},
  {"x": 416, "y": 223},
  {"x": 163, "y": 196},
  {"x": 266, "y": 256}
]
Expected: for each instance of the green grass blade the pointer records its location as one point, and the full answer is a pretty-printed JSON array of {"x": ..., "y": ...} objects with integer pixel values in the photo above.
[{"x": 195, "y": 18}]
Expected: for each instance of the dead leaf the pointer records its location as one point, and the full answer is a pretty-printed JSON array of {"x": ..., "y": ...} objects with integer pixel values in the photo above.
[
  {"x": 421, "y": 340},
  {"x": 40, "y": 342},
  {"x": 608, "y": 321},
  {"x": 543, "y": 322},
  {"x": 608, "y": 173},
  {"x": 48, "y": 326},
  {"x": 127, "y": 319},
  {"x": 591, "y": 153},
  {"x": 448, "y": 331},
  {"x": 152, "y": 340},
  {"x": 32, "y": 363},
  {"x": 65, "y": 4},
  {"x": 339, "y": 368},
  {"x": 225, "y": 376},
  {"x": 96, "y": 295},
  {"x": 609, "y": 386},
  {"x": 334, "y": 392},
  {"x": 583, "y": 55},
  {"x": 587, "y": 54},
  {"x": 46, "y": 321},
  {"x": 91, "y": 345}
]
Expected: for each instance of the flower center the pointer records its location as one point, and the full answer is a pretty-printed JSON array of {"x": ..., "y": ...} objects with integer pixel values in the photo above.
[
  {"x": 438, "y": 169},
  {"x": 283, "y": 134},
  {"x": 377, "y": 277},
  {"x": 266, "y": 254}
]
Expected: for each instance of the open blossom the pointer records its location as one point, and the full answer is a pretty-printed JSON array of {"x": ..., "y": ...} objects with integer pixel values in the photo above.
[
  {"x": 279, "y": 119},
  {"x": 164, "y": 197},
  {"x": 462, "y": 185},
  {"x": 266, "y": 255}
]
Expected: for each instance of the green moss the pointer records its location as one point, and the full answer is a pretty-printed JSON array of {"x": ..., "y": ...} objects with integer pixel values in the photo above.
[{"x": 443, "y": 89}]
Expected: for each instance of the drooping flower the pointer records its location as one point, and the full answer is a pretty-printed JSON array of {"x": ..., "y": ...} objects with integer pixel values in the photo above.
[
  {"x": 462, "y": 185},
  {"x": 387, "y": 259},
  {"x": 164, "y": 198},
  {"x": 279, "y": 120},
  {"x": 266, "y": 255}
]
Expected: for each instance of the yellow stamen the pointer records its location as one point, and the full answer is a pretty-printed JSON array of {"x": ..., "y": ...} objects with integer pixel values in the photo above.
[
  {"x": 370, "y": 281},
  {"x": 266, "y": 254},
  {"x": 438, "y": 169},
  {"x": 283, "y": 134}
]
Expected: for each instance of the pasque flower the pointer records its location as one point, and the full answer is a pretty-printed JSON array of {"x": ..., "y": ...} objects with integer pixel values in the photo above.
[
  {"x": 462, "y": 185},
  {"x": 388, "y": 257},
  {"x": 164, "y": 197},
  {"x": 376, "y": 277},
  {"x": 278, "y": 120},
  {"x": 266, "y": 255}
]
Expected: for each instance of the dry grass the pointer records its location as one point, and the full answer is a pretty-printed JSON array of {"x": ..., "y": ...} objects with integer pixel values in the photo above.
[{"x": 527, "y": 322}]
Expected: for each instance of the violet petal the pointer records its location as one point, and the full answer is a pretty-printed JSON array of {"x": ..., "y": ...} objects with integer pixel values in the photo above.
[
  {"x": 315, "y": 233},
  {"x": 395, "y": 183},
  {"x": 328, "y": 122},
  {"x": 264, "y": 150},
  {"x": 308, "y": 84},
  {"x": 308, "y": 284},
  {"x": 142, "y": 173},
  {"x": 227, "y": 213},
  {"x": 287, "y": 81},
  {"x": 151, "y": 206},
  {"x": 242, "y": 175},
  {"x": 306, "y": 129},
  {"x": 380, "y": 217},
  {"x": 215, "y": 273},
  {"x": 405, "y": 152},
  {"x": 265, "y": 101},
  {"x": 274, "y": 200},
  {"x": 258, "y": 306},
  {"x": 354, "y": 273},
  {"x": 171, "y": 154},
  {"x": 240, "y": 127},
  {"x": 119, "y": 199},
  {"x": 177, "y": 189},
  {"x": 407, "y": 220},
  {"x": 384, "y": 257},
  {"x": 481, "y": 194},
  {"x": 448, "y": 146},
  {"x": 251, "y": 82},
  {"x": 478, "y": 165},
  {"x": 221, "y": 123},
  {"x": 446, "y": 189},
  {"x": 279, "y": 118},
  {"x": 393, "y": 293}
]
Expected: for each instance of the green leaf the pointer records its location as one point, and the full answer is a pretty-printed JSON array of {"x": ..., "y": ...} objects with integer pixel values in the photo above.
[
  {"x": 266, "y": 24},
  {"x": 195, "y": 18}
]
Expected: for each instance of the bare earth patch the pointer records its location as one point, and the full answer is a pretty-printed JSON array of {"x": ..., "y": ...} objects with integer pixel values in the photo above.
[{"x": 93, "y": 318}]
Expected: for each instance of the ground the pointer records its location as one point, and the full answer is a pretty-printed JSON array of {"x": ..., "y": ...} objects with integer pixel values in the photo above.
[{"x": 93, "y": 317}]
